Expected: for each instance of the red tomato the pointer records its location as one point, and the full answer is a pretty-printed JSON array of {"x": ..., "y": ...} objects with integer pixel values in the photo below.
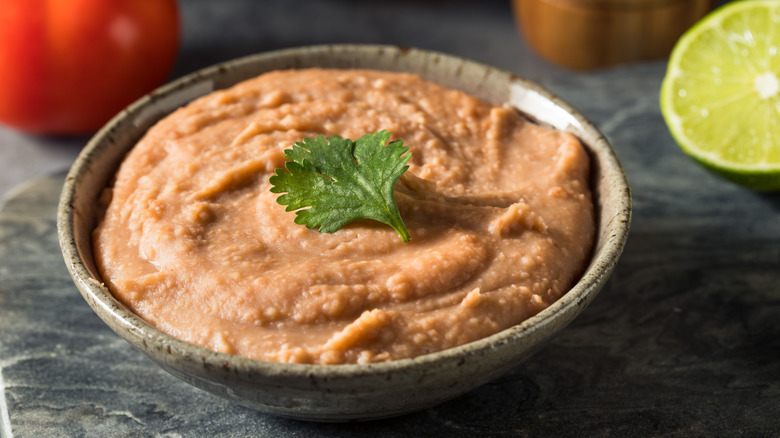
[{"x": 68, "y": 66}]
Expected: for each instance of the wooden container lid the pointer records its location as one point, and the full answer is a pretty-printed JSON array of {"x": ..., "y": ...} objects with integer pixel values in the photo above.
[{"x": 617, "y": 4}]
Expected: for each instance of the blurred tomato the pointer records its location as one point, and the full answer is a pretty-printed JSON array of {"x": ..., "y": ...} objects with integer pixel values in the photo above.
[{"x": 68, "y": 66}]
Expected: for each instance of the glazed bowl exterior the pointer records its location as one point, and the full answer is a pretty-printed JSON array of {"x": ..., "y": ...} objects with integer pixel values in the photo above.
[{"x": 340, "y": 392}]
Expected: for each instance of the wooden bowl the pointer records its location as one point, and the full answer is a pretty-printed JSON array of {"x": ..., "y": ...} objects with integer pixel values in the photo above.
[{"x": 588, "y": 34}]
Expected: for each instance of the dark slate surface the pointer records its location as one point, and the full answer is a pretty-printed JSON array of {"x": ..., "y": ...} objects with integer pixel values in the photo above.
[{"x": 683, "y": 341}]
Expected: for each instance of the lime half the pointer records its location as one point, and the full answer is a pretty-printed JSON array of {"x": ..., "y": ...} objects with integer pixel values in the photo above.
[{"x": 721, "y": 93}]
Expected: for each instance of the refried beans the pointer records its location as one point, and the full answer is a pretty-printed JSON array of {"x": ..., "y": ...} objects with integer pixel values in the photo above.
[{"x": 498, "y": 208}]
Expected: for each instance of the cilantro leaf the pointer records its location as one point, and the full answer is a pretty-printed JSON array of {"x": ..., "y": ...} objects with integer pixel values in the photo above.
[{"x": 336, "y": 181}]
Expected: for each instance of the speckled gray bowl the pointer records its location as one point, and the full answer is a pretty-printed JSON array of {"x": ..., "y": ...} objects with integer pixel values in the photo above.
[{"x": 341, "y": 392}]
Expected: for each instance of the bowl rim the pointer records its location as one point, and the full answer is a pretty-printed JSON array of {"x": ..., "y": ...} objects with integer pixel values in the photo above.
[{"x": 602, "y": 262}]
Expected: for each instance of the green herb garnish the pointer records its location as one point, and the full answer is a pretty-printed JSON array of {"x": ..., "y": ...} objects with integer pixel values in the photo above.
[{"x": 341, "y": 180}]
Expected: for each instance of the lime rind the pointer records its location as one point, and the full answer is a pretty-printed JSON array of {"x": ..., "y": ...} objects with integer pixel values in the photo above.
[{"x": 711, "y": 97}]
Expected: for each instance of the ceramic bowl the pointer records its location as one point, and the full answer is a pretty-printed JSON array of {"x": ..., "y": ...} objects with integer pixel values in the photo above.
[{"x": 340, "y": 392}]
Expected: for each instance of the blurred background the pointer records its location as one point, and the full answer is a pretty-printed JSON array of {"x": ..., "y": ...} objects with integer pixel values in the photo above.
[{"x": 485, "y": 30}]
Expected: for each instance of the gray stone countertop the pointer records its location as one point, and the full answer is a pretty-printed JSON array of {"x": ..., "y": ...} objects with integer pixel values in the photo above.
[{"x": 683, "y": 341}]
